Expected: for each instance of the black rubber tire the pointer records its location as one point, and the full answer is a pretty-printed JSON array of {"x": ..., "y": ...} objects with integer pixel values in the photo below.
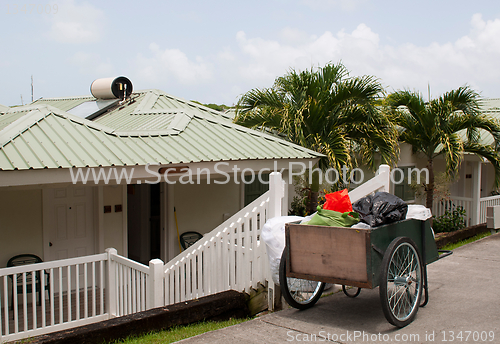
[
  {"x": 306, "y": 292},
  {"x": 400, "y": 291},
  {"x": 353, "y": 295}
]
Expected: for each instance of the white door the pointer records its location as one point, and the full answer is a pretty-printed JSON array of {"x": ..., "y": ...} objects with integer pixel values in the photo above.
[
  {"x": 68, "y": 222},
  {"x": 68, "y": 226}
]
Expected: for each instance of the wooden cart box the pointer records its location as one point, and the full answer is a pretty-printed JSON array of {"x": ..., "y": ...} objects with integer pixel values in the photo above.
[{"x": 349, "y": 256}]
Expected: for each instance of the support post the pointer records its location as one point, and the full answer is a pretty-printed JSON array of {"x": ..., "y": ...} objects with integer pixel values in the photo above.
[
  {"x": 385, "y": 172},
  {"x": 100, "y": 218},
  {"x": 155, "y": 295},
  {"x": 111, "y": 284},
  {"x": 276, "y": 195},
  {"x": 277, "y": 192},
  {"x": 476, "y": 194}
]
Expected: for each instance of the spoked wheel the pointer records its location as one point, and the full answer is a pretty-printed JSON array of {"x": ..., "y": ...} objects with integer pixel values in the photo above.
[
  {"x": 401, "y": 281},
  {"x": 351, "y": 291},
  {"x": 298, "y": 293}
]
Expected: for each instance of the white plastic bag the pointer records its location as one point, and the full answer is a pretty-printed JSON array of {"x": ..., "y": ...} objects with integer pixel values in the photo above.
[
  {"x": 361, "y": 225},
  {"x": 418, "y": 212},
  {"x": 273, "y": 234}
]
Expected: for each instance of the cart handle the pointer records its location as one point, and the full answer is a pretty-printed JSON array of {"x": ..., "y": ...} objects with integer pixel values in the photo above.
[{"x": 445, "y": 253}]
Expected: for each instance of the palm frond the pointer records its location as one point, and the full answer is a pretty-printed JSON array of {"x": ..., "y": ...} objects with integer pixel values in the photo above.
[{"x": 326, "y": 110}]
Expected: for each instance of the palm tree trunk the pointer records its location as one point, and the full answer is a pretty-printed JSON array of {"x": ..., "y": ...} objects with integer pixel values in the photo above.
[{"x": 430, "y": 187}]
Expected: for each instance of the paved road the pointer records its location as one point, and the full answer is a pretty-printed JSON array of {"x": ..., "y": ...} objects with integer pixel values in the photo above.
[{"x": 464, "y": 307}]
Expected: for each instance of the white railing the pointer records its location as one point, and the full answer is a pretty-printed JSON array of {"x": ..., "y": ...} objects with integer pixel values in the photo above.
[
  {"x": 380, "y": 182},
  {"x": 75, "y": 292},
  {"x": 232, "y": 256},
  {"x": 229, "y": 257},
  {"x": 486, "y": 202},
  {"x": 440, "y": 207},
  {"x": 450, "y": 204},
  {"x": 130, "y": 281}
]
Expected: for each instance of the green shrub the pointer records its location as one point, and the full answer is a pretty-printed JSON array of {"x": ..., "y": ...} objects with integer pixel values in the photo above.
[
  {"x": 450, "y": 221},
  {"x": 298, "y": 206}
]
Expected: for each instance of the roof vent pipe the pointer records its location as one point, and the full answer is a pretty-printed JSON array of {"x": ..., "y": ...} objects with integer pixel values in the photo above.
[{"x": 111, "y": 88}]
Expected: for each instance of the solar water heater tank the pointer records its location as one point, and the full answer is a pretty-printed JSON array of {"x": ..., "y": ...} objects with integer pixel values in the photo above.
[{"x": 111, "y": 88}]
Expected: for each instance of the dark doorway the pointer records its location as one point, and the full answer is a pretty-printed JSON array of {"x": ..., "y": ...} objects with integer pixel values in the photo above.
[
  {"x": 144, "y": 222},
  {"x": 154, "y": 219}
]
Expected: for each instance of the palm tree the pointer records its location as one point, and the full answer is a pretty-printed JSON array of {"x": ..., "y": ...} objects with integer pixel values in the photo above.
[
  {"x": 327, "y": 111},
  {"x": 447, "y": 126}
]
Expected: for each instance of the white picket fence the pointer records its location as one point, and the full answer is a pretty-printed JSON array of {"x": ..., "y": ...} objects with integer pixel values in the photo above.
[
  {"x": 467, "y": 203},
  {"x": 450, "y": 204},
  {"x": 75, "y": 291},
  {"x": 99, "y": 287},
  {"x": 129, "y": 281}
]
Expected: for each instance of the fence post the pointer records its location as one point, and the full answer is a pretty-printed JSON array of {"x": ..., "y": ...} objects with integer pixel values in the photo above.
[
  {"x": 276, "y": 195},
  {"x": 155, "y": 293},
  {"x": 476, "y": 194},
  {"x": 385, "y": 172},
  {"x": 111, "y": 284}
]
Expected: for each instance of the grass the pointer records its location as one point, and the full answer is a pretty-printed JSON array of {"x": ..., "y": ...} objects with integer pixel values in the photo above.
[
  {"x": 453, "y": 246},
  {"x": 177, "y": 333}
]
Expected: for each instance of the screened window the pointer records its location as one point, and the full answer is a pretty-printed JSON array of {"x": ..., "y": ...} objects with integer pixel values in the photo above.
[{"x": 402, "y": 187}]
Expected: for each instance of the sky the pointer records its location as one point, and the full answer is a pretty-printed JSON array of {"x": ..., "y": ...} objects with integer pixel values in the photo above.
[{"x": 215, "y": 51}]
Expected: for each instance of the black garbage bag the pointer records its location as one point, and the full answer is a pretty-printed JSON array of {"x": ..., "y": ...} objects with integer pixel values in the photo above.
[{"x": 381, "y": 208}]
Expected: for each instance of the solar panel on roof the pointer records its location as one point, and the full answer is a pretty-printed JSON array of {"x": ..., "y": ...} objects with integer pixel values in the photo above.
[{"x": 92, "y": 108}]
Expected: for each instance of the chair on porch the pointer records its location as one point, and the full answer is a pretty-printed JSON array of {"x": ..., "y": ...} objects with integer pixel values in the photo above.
[
  {"x": 25, "y": 259},
  {"x": 189, "y": 238}
]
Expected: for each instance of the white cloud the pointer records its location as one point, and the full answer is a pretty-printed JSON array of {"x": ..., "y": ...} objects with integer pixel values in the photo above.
[
  {"x": 76, "y": 23},
  {"x": 268, "y": 59},
  {"x": 471, "y": 59},
  {"x": 172, "y": 64},
  {"x": 256, "y": 62}
]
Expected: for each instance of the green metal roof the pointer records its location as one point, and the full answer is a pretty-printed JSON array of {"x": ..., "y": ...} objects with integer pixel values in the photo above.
[
  {"x": 149, "y": 127},
  {"x": 46, "y": 137},
  {"x": 64, "y": 104},
  {"x": 4, "y": 108},
  {"x": 491, "y": 107},
  {"x": 8, "y": 118},
  {"x": 144, "y": 110}
]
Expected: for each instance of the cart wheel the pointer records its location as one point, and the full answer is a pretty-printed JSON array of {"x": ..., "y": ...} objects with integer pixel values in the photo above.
[
  {"x": 350, "y": 292},
  {"x": 401, "y": 281},
  {"x": 298, "y": 293}
]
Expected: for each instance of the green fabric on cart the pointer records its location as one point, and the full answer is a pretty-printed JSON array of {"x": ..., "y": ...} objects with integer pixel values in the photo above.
[{"x": 325, "y": 217}]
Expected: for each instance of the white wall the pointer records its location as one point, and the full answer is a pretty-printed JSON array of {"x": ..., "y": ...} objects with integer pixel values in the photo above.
[
  {"x": 201, "y": 207},
  {"x": 20, "y": 223}
]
